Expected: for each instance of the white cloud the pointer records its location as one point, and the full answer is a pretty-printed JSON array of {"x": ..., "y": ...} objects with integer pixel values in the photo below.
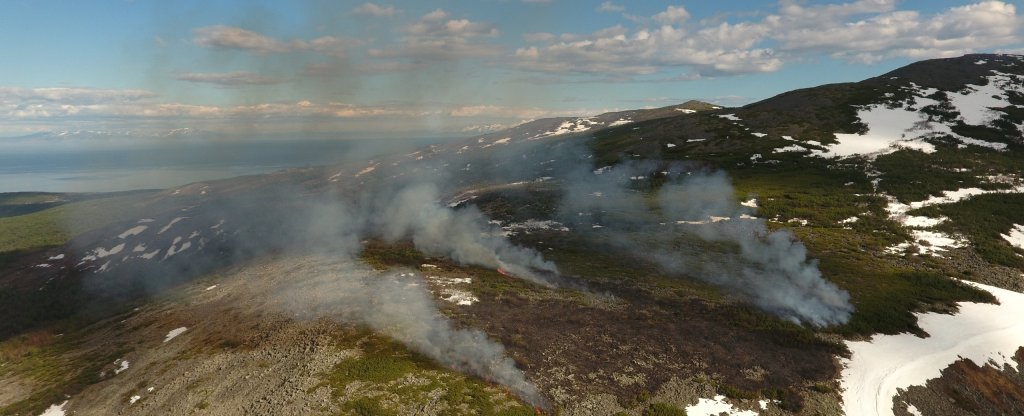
[
  {"x": 672, "y": 15},
  {"x": 371, "y": 9},
  {"x": 862, "y": 31},
  {"x": 610, "y": 7},
  {"x": 229, "y": 37},
  {"x": 908, "y": 34},
  {"x": 63, "y": 95},
  {"x": 227, "y": 79},
  {"x": 438, "y": 36}
]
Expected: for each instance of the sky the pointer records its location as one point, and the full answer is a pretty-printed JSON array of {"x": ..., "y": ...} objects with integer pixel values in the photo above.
[{"x": 355, "y": 69}]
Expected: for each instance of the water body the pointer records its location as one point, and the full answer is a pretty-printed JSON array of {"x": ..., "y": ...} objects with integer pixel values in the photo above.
[{"x": 63, "y": 167}]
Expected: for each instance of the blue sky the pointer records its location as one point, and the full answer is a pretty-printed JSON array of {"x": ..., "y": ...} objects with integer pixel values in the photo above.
[{"x": 392, "y": 68}]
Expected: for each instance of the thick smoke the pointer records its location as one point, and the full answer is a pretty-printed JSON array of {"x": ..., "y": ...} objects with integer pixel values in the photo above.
[
  {"x": 770, "y": 268},
  {"x": 397, "y": 304},
  {"x": 463, "y": 235},
  {"x": 235, "y": 227}
]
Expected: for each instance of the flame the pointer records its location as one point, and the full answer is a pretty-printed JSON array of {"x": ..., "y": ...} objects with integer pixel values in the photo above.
[{"x": 503, "y": 272}]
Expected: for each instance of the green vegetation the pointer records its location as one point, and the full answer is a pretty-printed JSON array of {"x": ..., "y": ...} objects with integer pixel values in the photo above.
[
  {"x": 886, "y": 305},
  {"x": 365, "y": 406},
  {"x": 914, "y": 176},
  {"x": 377, "y": 369},
  {"x": 983, "y": 219},
  {"x": 56, "y": 363},
  {"x": 55, "y": 226},
  {"x": 663, "y": 409},
  {"x": 391, "y": 377},
  {"x": 382, "y": 255}
]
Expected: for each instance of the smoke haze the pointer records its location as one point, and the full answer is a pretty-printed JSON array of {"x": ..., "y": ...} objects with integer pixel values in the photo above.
[
  {"x": 398, "y": 305},
  {"x": 770, "y": 268}
]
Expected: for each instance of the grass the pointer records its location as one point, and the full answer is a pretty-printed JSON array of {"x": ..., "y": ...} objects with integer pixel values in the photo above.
[
  {"x": 983, "y": 219},
  {"x": 55, "y": 364},
  {"x": 663, "y": 409},
  {"x": 55, "y": 226},
  {"x": 383, "y": 255},
  {"x": 385, "y": 371},
  {"x": 914, "y": 176}
]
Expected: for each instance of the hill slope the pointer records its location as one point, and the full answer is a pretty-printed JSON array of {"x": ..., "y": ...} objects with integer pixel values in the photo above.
[{"x": 639, "y": 260}]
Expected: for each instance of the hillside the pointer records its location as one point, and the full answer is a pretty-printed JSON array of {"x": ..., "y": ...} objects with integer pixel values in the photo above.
[{"x": 765, "y": 259}]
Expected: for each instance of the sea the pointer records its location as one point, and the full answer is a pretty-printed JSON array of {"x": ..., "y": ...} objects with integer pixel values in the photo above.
[{"x": 154, "y": 165}]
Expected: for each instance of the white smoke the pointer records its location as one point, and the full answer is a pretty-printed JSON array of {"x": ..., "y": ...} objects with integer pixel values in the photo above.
[
  {"x": 770, "y": 268},
  {"x": 396, "y": 304},
  {"x": 463, "y": 235}
]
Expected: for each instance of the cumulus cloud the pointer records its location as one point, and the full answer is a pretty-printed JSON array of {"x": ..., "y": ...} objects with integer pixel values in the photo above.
[
  {"x": 227, "y": 79},
  {"x": 908, "y": 34},
  {"x": 861, "y": 31},
  {"x": 672, "y": 15},
  {"x": 610, "y": 7},
  {"x": 228, "y": 37},
  {"x": 235, "y": 38},
  {"x": 438, "y": 36},
  {"x": 371, "y": 9}
]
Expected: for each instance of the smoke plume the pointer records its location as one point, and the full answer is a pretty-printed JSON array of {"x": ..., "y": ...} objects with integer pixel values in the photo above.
[
  {"x": 739, "y": 253},
  {"x": 397, "y": 305},
  {"x": 463, "y": 235}
]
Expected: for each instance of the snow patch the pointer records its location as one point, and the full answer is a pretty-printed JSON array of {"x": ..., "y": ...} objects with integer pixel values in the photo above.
[
  {"x": 750, "y": 203},
  {"x": 170, "y": 224},
  {"x": 368, "y": 169},
  {"x": 621, "y": 121},
  {"x": 570, "y": 126},
  {"x": 101, "y": 252},
  {"x": 174, "y": 333},
  {"x": 715, "y": 407},
  {"x": 915, "y": 221},
  {"x": 685, "y": 110},
  {"x": 791, "y": 148},
  {"x": 975, "y": 102},
  {"x": 57, "y": 257},
  {"x": 55, "y": 410},
  {"x": 980, "y": 332},
  {"x": 730, "y": 117},
  {"x": 1015, "y": 236},
  {"x": 136, "y": 230},
  {"x": 534, "y": 225},
  {"x": 122, "y": 366}
]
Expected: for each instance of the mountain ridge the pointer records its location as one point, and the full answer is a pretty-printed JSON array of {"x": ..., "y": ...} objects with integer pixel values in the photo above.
[{"x": 235, "y": 264}]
